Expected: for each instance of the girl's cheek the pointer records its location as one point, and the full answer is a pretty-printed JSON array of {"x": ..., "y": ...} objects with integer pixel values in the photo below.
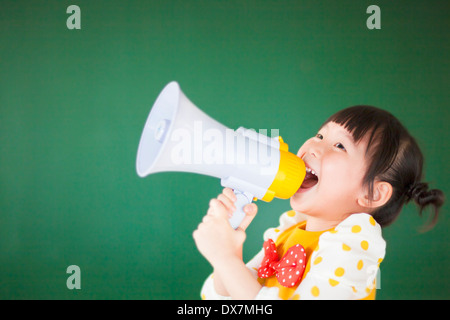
[
  {"x": 335, "y": 172},
  {"x": 342, "y": 176}
]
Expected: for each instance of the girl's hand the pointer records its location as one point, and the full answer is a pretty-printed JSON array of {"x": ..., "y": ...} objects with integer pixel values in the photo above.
[{"x": 216, "y": 240}]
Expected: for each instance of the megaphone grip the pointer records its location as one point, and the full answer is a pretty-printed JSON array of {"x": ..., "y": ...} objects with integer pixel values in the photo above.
[{"x": 243, "y": 198}]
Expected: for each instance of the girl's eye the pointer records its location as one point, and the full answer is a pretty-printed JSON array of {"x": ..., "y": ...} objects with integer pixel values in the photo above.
[
  {"x": 319, "y": 136},
  {"x": 340, "y": 146}
]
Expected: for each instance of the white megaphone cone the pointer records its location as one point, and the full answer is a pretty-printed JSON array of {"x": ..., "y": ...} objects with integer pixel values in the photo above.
[{"x": 178, "y": 136}]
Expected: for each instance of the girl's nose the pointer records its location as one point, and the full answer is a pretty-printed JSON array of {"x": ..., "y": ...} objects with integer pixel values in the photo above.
[{"x": 315, "y": 151}]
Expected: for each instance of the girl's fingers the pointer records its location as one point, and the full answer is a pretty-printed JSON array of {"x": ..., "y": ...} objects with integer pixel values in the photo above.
[
  {"x": 228, "y": 203},
  {"x": 230, "y": 194},
  {"x": 217, "y": 209}
]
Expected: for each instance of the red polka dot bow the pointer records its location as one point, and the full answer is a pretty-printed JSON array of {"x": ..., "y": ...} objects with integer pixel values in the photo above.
[{"x": 289, "y": 270}]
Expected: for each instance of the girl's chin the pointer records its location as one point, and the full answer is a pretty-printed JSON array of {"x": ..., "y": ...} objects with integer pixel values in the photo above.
[{"x": 299, "y": 198}]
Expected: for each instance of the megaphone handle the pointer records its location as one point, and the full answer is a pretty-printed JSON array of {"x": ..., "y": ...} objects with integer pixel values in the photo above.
[{"x": 243, "y": 198}]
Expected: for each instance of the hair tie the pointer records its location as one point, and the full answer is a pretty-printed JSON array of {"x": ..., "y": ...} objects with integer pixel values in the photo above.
[
  {"x": 409, "y": 191},
  {"x": 415, "y": 190}
]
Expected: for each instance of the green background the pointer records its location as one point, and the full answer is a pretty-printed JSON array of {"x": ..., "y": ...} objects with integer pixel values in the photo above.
[{"x": 73, "y": 104}]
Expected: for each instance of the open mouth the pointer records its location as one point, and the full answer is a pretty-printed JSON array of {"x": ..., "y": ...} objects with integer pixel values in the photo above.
[{"x": 310, "y": 180}]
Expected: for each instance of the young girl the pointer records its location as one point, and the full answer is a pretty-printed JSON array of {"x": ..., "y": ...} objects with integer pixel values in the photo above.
[{"x": 362, "y": 167}]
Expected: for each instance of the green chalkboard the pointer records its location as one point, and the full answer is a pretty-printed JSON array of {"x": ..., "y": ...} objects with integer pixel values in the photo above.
[{"x": 75, "y": 92}]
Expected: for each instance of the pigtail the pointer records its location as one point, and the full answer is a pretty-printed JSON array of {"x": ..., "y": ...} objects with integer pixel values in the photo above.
[{"x": 425, "y": 198}]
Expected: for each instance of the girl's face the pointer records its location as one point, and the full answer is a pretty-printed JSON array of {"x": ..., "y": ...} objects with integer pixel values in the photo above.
[{"x": 331, "y": 190}]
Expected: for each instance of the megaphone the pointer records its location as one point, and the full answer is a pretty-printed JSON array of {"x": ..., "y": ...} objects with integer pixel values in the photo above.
[{"x": 178, "y": 136}]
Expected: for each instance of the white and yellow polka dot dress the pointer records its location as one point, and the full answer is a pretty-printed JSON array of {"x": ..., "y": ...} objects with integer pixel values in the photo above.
[{"x": 341, "y": 263}]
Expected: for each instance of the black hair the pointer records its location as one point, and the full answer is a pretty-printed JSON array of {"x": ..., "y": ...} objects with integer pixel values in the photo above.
[{"x": 394, "y": 157}]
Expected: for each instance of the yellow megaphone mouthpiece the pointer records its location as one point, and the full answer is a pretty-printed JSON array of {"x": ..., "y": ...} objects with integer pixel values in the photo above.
[{"x": 289, "y": 177}]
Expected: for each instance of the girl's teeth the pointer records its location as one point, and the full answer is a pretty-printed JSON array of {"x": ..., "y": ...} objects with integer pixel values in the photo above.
[{"x": 311, "y": 171}]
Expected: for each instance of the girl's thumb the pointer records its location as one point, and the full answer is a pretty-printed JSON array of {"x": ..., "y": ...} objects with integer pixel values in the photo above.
[{"x": 250, "y": 213}]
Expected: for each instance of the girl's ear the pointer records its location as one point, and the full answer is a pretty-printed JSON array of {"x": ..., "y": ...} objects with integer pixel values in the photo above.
[{"x": 382, "y": 192}]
